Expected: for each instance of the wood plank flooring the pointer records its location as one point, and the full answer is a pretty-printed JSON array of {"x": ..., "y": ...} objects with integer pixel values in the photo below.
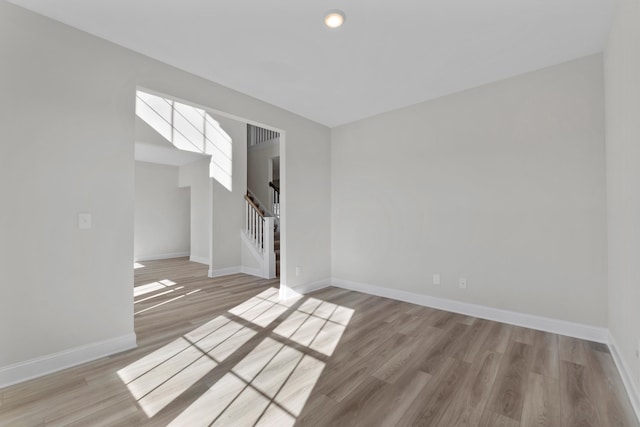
[{"x": 226, "y": 351}]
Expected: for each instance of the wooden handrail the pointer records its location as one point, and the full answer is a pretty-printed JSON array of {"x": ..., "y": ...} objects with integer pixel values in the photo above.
[
  {"x": 248, "y": 199},
  {"x": 275, "y": 187}
]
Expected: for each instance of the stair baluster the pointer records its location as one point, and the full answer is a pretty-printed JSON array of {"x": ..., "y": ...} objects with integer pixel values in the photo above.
[{"x": 261, "y": 232}]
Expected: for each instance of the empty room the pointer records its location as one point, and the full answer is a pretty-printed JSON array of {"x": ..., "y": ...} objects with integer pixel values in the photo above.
[{"x": 320, "y": 213}]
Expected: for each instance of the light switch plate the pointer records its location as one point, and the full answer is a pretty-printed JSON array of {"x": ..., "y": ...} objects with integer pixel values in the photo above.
[{"x": 84, "y": 221}]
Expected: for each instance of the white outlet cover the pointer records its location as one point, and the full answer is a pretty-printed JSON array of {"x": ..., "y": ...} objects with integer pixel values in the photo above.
[
  {"x": 84, "y": 221},
  {"x": 463, "y": 283},
  {"x": 436, "y": 279}
]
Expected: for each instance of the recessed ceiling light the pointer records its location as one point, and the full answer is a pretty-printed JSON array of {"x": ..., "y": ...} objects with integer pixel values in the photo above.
[{"x": 334, "y": 18}]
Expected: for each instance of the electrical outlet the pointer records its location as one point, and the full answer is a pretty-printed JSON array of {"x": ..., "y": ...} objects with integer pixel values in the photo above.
[
  {"x": 463, "y": 283},
  {"x": 298, "y": 269},
  {"x": 436, "y": 279},
  {"x": 84, "y": 221}
]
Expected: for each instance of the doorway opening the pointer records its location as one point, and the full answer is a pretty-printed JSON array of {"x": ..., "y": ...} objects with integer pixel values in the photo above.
[{"x": 203, "y": 148}]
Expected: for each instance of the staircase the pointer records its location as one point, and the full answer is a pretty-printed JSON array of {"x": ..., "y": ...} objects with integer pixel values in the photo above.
[
  {"x": 256, "y": 202},
  {"x": 263, "y": 234},
  {"x": 276, "y": 246},
  {"x": 275, "y": 197}
]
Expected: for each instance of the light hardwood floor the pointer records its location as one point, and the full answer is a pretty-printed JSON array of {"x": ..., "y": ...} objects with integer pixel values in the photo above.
[{"x": 225, "y": 351}]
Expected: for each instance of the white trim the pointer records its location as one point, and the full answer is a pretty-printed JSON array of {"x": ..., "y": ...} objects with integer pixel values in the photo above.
[
  {"x": 201, "y": 260},
  {"x": 562, "y": 327},
  {"x": 286, "y": 292},
  {"x": 44, "y": 365},
  {"x": 224, "y": 271},
  {"x": 160, "y": 256},
  {"x": 625, "y": 374},
  {"x": 262, "y": 270},
  {"x": 254, "y": 271},
  {"x": 235, "y": 270}
]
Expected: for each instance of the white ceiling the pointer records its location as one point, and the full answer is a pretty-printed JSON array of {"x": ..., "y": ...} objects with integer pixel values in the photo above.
[{"x": 389, "y": 54}]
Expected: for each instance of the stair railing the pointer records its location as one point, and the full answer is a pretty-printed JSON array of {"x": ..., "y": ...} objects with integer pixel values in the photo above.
[
  {"x": 255, "y": 223},
  {"x": 264, "y": 208},
  {"x": 257, "y": 135},
  {"x": 275, "y": 198},
  {"x": 260, "y": 231}
]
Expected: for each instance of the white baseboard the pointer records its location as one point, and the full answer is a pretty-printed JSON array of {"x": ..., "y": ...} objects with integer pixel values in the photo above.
[
  {"x": 254, "y": 271},
  {"x": 224, "y": 271},
  {"x": 287, "y": 292},
  {"x": 235, "y": 270},
  {"x": 201, "y": 260},
  {"x": 556, "y": 326},
  {"x": 160, "y": 256},
  {"x": 562, "y": 327},
  {"x": 50, "y": 363},
  {"x": 625, "y": 373}
]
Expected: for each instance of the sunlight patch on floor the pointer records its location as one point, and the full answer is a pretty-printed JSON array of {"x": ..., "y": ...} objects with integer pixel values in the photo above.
[
  {"x": 269, "y": 386},
  {"x": 264, "y": 308},
  {"x": 316, "y": 324},
  {"x": 158, "y": 295},
  {"x": 158, "y": 378},
  {"x": 152, "y": 287},
  {"x": 166, "y": 302}
]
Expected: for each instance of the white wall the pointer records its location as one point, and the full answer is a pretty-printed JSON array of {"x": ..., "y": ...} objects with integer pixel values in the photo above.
[
  {"x": 66, "y": 111},
  {"x": 67, "y": 118},
  {"x": 503, "y": 185},
  {"x": 622, "y": 71},
  {"x": 216, "y": 214},
  {"x": 162, "y": 213},
  {"x": 195, "y": 176},
  {"x": 259, "y": 169},
  {"x": 145, "y": 134},
  {"x": 228, "y": 206}
]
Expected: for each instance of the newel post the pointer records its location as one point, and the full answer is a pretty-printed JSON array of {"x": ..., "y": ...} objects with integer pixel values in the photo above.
[{"x": 269, "y": 254}]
